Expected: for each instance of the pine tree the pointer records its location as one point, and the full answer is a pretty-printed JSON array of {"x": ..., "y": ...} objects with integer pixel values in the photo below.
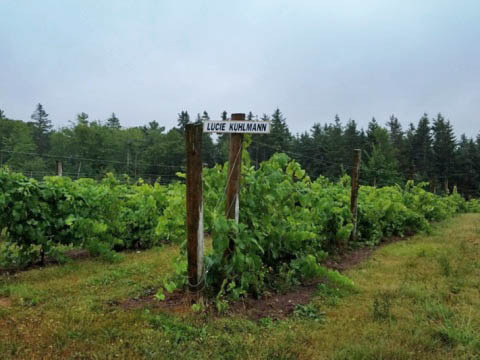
[
  {"x": 335, "y": 154},
  {"x": 82, "y": 118},
  {"x": 422, "y": 152},
  {"x": 113, "y": 122},
  {"x": 42, "y": 127},
  {"x": 153, "y": 125},
  {"x": 261, "y": 148},
  {"x": 444, "y": 144},
  {"x": 280, "y": 136},
  {"x": 466, "y": 175},
  {"x": 395, "y": 133},
  {"x": 409, "y": 153},
  {"x": 372, "y": 128},
  {"x": 381, "y": 166},
  {"x": 319, "y": 151},
  {"x": 397, "y": 140},
  {"x": 183, "y": 120}
]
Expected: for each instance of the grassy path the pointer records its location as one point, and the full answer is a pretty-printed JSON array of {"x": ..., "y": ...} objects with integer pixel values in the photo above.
[{"x": 415, "y": 299}]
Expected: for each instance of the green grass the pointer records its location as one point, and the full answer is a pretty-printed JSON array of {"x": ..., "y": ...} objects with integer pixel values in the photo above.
[{"x": 415, "y": 299}]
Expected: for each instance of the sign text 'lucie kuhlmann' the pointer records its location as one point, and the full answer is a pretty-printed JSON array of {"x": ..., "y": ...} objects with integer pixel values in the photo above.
[{"x": 249, "y": 127}]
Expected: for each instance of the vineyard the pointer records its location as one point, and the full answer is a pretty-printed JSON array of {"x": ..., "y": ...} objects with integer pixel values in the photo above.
[
  {"x": 288, "y": 224},
  {"x": 119, "y": 300}
]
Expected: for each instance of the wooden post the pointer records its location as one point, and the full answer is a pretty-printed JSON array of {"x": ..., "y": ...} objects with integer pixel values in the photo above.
[
  {"x": 354, "y": 193},
  {"x": 232, "y": 205},
  {"x": 59, "y": 167},
  {"x": 193, "y": 141}
]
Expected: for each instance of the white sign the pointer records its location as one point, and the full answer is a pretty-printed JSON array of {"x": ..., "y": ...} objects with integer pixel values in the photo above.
[{"x": 248, "y": 127}]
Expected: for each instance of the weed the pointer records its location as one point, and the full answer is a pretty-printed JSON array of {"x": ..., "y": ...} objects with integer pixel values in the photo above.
[
  {"x": 109, "y": 278},
  {"x": 266, "y": 322},
  {"x": 377, "y": 352},
  {"x": 197, "y": 308},
  {"x": 310, "y": 312},
  {"x": 451, "y": 334},
  {"x": 382, "y": 306},
  {"x": 444, "y": 263},
  {"x": 27, "y": 296},
  {"x": 422, "y": 253},
  {"x": 176, "y": 329},
  {"x": 435, "y": 310},
  {"x": 159, "y": 295}
]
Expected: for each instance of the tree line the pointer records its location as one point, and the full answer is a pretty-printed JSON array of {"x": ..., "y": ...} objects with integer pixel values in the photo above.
[{"x": 426, "y": 151}]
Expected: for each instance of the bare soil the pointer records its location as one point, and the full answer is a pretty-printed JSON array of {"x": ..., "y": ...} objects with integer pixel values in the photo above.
[{"x": 5, "y": 302}]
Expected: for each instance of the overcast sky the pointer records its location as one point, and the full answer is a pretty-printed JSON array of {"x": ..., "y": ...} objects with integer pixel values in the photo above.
[{"x": 147, "y": 60}]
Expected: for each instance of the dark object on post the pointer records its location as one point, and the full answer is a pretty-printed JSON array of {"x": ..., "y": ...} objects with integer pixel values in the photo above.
[
  {"x": 193, "y": 141},
  {"x": 232, "y": 204},
  {"x": 354, "y": 193}
]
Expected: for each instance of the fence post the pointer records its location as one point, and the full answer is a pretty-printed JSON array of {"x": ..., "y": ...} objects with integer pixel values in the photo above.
[
  {"x": 232, "y": 205},
  {"x": 354, "y": 192},
  {"x": 193, "y": 141},
  {"x": 59, "y": 167}
]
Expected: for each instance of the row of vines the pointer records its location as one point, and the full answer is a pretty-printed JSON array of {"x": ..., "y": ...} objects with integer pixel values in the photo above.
[{"x": 288, "y": 223}]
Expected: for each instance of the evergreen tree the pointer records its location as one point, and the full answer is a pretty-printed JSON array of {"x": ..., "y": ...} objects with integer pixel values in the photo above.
[
  {"x": 397, "y": 140},
  {"x": 82, "y": 118},
  {"x": 467, "y": 176},
  {"x": 319, "y": 145},
  {"x": 422, "y": 152},
  {"x": 335, "y": 157},
  {"x": 372, "y": 128},
  {"x": 153, "y": 125},
  {"x": 381, "y": 167},
  {"x": 183, "y": 120},
  {"x": 395, "y": 133},
  {"x": 444, "y": 144},
  {"x": 42, "y": 128},
  {"x": 113, "y": 122},
  {"x": 261, "y": 147},
  {"x": 409, "y": 153},
  {"x": 280, "y": 136}
]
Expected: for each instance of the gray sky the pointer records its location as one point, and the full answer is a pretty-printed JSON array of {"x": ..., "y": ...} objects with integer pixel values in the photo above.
[{"x": 149, "y": 60}]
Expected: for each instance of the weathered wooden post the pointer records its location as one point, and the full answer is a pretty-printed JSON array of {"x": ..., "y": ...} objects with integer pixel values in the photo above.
[
  {"x": 354, "y": 192},
  {"x": 59, "y": 167},
  {"x": 193, "y": 141},
  {"x": 232, "y": 203},
  {"x": 234, "y": 172}
]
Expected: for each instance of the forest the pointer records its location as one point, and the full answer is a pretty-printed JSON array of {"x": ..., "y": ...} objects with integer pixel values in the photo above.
[{"x": 427, "y": 150}]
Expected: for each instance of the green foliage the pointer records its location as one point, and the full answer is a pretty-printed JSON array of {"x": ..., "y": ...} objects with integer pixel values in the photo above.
[
  {"x": 288, "y": 223},
  {"x": 282, "y": 239},
  {"x": 309, "y": 312},
  {"x": 39, "y": 216},
  {"x": 382, "y": 307}
]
